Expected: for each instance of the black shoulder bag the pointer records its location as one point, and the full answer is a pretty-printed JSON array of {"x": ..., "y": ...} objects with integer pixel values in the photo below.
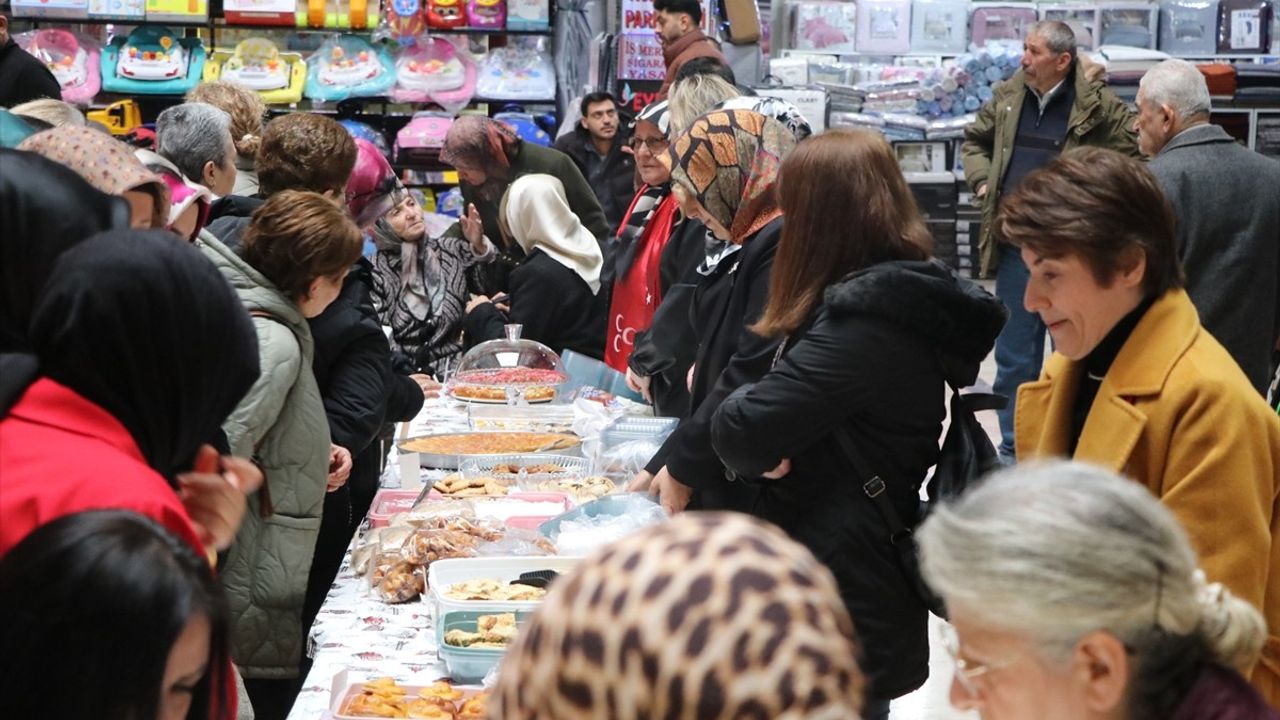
[{"x": 966, "y": 455}]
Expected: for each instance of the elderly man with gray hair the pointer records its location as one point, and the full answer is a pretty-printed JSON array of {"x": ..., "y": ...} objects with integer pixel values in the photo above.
[
  {"x": 1074, "y": 593},
  {"x": 1227, "y": 201},
  {"x": 196, "y": 138},
  {"x": 1052, "y": 104}
]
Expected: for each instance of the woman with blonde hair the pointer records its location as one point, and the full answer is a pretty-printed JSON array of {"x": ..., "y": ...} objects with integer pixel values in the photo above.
[
  {"x": 247, "y": 112},
  {"x": 871, "y": 331},
  {"x": 1074, "y": 593}
]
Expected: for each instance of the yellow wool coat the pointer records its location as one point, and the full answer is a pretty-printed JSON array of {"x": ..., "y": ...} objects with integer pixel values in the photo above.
[{"x": 1177, "y": 414}]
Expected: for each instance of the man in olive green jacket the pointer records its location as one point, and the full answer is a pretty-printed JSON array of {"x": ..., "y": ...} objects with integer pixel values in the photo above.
[{"x": 1049, "y": 106}]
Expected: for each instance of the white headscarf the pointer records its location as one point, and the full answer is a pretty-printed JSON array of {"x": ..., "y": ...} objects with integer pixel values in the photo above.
[{"x": 538, "y": 216}]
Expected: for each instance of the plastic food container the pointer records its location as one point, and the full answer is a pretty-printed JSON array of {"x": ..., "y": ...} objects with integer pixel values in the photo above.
[
  {"x": 607, "y": 506},
  {"x": 345, "y": 687},
  {"x": 390, "y": 502},
  {"x": 443, "y": 574},
  {"x": 509, "y": 371},
  {"x": 468, "y": 664},
  {"x": 550, "y": 467}
]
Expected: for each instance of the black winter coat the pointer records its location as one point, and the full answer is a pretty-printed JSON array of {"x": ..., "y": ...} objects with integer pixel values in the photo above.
[
  {"x": 729, "y": 356},
  {"x": 553, "y": 303},
  {"x": 530, "y": 159},
  {"x": 614, "y": 181},
  {"x": 872, "y": 360},
  {"x": 23, "y": 77},
  {"x": 665, "y": 352}
]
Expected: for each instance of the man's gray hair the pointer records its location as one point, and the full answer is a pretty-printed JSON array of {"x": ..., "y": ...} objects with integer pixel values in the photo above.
[
  {"x": 1057, "y": 35},
  {"x": 1055, "y": 551},
  {"x": 192, "y": 134},
  {"x": 1178, "y": 84}
]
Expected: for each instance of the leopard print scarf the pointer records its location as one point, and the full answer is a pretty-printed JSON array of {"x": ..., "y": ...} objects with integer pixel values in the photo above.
[{"x": 709, "y": 615}]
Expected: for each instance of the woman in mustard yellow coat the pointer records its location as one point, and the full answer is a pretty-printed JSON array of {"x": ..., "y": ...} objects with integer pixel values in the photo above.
[{"x": 1136, "y": 385}]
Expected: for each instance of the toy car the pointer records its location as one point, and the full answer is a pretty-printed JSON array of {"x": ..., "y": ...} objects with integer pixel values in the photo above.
[
  {"x": 152, "y": 60},
  {"x": 257, "y": 64},
  {"x": 445, "y": 14},
  {"x": 118, "y": 117},
  {"x": 348, "y": 66},
  {"x": 422, "y": 139}
]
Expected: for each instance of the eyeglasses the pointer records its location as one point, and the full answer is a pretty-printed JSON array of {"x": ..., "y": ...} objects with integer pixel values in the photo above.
[
  {"x": 655, "y": 145},
  {"x": 967, "y": 671}
]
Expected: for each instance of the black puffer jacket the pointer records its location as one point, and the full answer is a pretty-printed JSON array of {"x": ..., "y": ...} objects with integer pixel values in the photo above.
[{"x": 871, "y": 359}]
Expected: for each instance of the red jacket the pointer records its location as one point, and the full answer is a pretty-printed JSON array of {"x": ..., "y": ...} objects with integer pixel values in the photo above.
[{"x": 61, "y": 454}]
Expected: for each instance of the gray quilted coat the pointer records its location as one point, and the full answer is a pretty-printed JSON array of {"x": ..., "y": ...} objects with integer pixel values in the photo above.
[{"x": 281, "y": 424}]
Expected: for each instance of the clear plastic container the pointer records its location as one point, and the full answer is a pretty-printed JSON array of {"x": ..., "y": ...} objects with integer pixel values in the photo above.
[
  {"x": 444, "y": 574},
  {"x": 510, "y": 371},
  {"x": 521, "y": 469}
]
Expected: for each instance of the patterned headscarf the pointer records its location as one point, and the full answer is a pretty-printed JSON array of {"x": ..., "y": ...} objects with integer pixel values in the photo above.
[
  {"x": 728, "y": 160},
  {"x": 479, "y": 142},
  {"x": 108, "y": 164},
  {"x": 709, "y": 615}
]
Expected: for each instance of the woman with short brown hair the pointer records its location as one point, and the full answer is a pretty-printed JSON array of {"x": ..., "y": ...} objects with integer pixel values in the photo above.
[
  {"x": 872, "y": 330},
  {"x": 1137, "y": 385}
]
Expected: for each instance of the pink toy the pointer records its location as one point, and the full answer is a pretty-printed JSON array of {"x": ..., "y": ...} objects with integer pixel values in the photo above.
[
  {"x": 487, "y": 14},
  {"x": 434, "y": 71},
  {"x": 422, "y": 138},
  {"x": 73, "y": 61}
]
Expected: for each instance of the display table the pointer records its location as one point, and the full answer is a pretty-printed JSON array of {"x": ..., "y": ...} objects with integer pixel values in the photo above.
[{"x": 359, "y": 632}]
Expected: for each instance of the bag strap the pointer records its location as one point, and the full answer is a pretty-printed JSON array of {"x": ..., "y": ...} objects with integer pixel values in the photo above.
[{"x": 874, "y": 488}]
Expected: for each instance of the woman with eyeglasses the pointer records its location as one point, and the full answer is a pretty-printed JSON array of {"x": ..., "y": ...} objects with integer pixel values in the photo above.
[
  {"x": 654, "y": 252},
  {"x": 1074, "y": 594}
]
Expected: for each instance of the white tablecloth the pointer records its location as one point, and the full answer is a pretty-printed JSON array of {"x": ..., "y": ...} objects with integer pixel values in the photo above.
[{"x": 359, "y": 632}]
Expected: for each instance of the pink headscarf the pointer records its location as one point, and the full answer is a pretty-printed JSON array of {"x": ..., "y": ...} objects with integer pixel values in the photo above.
[{"x": 373, "y": 190}]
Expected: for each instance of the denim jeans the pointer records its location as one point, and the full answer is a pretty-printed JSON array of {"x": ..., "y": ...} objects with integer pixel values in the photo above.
[{"x": 1020, "y": 346}]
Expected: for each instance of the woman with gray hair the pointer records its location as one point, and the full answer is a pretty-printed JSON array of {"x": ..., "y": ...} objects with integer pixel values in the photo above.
[
  {"x": 1074, "y": 593},
  {"x": 196, "y": 137}
]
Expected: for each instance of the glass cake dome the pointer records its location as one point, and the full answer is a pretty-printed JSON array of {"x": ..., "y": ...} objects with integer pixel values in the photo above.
[{"x": 508, "y": 371}]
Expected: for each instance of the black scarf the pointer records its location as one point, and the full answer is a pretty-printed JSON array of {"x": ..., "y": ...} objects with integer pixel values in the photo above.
[
  {"x": 46, "y": 208},
  {"x": 143, "y": 325}
]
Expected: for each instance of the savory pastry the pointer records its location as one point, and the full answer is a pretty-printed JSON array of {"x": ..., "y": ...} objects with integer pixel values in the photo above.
[
  {"x": 477, "y": 708},
  {"x": 492, "y": 632},
  {"x": 489, "y": 590},
  {"x": 490, "y": 443},
  {"x": 441, "y": 691},
  {"x": 431, "y": 709},
  {"x": 401, "y": 583}
]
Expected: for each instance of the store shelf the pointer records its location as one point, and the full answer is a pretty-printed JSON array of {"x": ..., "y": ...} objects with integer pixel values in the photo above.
[{"x": 128, "y": 22}]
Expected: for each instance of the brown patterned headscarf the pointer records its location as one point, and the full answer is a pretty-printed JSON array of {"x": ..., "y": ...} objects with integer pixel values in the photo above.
[
  {"x": 728, "y": 160},
  {"x": 108, "y": 164},
  {"x": 706, "y": 616}
]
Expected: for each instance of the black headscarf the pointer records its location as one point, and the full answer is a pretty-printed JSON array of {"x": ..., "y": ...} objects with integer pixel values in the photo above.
[
  {"x": 145, "y": 326},
  {"x": 45, "y": 208}
]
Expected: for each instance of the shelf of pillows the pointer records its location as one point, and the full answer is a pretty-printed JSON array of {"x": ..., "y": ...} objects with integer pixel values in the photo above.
[{"x": 931, "y": 28}]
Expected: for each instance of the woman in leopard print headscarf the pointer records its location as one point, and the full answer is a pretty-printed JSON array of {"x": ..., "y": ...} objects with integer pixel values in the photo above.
[{"x": 709, "y": 615}]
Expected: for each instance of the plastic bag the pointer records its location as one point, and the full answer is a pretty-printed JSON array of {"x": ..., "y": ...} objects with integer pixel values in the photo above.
[
  {"x": 517, "y": 542},
  {"x": 627, "y": 514},
  {"x": 435, "y": 70},
  {"x": 394, "y": 579},
  {"x": 347, "y": 66},
  {"x": 430, "y": 510}
]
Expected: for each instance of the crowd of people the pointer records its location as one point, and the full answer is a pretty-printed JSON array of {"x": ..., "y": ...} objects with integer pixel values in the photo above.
[{"x": 196, "y": 396}]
